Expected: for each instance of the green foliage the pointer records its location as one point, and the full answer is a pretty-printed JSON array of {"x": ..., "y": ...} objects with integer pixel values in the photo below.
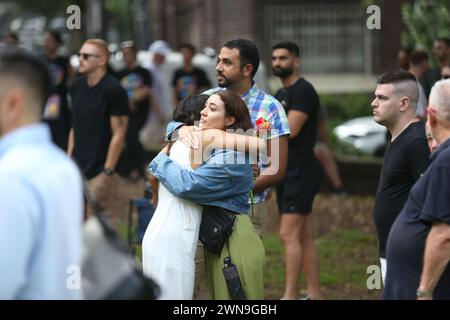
[
  {"x": 426, "y": 20},
  {"x": 343, "y": 107},
  {"x": 119, "y": 17}
]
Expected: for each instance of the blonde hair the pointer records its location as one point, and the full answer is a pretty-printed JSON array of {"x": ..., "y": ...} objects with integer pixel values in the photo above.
[{"x": 102, "y": 45}]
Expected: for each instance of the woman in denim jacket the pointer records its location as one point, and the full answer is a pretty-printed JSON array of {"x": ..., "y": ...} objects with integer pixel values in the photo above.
[{"x": 224, "y": 179}]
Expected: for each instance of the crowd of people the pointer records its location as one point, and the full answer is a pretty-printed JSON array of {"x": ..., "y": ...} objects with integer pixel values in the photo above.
[{"x": 228, "y": 146}]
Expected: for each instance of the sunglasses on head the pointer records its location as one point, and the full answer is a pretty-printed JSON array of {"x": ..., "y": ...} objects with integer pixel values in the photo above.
[{"x": 86, "y": 56}]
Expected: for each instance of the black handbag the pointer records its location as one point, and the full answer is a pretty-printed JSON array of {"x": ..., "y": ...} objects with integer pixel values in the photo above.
[{"x": 216, "y": 227}]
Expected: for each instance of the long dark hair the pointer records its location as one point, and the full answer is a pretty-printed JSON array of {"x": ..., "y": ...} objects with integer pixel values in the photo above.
[
  {"x": 236, "y": 107},
  {"x": 189, "y": 109},
  {"x": 186, "y": 112}
]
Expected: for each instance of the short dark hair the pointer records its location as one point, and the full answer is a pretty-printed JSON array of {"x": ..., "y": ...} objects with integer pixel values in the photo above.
[
  {"x": 395, "y": 76},
  {"x": 56, "y": 35},
  {"x": 235, "y": 107},
  {"x": 446, "y": 41},
  {"x": 17, "y": 63},
  {"x": 188, "y": 46},
  {"x": 289, "y": 46},
  {"x": 188, "y": 111},
  {"x": 248, "y": 52},
  {"x": 418, "y": 56}
]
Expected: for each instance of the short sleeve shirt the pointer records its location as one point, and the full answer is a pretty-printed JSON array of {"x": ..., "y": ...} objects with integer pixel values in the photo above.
[
  {"x": 263, "y": 106},
  {"x": 301, "y": 96},
  {"x": 92, "y": 108},
  {"x": 428, "y": 202}
]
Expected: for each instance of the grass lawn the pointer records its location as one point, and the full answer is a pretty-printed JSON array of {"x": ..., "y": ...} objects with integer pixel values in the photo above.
[
  {"x": 344, "y": 256},
  {"x": 346, "y": 242}
]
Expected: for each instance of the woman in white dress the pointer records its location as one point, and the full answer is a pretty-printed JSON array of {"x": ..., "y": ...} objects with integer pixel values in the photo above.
[{"x": 170, "y": 241}]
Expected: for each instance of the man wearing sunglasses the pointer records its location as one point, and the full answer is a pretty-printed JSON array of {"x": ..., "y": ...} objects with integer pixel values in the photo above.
[
  {"x": 418, "y": 247},
  {"x": 99, "y": 122}
]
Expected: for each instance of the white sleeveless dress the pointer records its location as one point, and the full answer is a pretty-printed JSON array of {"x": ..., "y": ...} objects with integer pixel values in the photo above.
[{"x": 170, "y": 241}]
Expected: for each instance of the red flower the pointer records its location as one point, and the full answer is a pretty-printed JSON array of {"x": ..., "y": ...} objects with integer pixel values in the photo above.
[{"x": 262, "y": 123}]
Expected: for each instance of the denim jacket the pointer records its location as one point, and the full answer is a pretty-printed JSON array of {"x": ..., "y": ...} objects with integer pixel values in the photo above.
[
  {"x": 225, "y": 179},
  {"x": 171, "y": 127}
]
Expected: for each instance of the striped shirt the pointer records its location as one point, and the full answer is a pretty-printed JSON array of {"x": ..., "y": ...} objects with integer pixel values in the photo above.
[{"x": 263, "y": 105}]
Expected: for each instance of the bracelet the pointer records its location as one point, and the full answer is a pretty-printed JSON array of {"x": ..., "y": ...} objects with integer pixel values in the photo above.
[
  {"x": 424, "y": 294},
  {"x": 108, "y": 172}
]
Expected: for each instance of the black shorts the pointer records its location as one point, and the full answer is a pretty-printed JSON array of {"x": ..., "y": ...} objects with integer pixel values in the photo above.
[{"x": 301, "y": 184}]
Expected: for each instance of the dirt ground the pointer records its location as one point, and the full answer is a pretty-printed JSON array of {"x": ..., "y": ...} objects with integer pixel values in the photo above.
[{"x": 331, "y": 213}]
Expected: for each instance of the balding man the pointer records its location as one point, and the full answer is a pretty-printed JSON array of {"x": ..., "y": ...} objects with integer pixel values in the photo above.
[
  {"x": 418, "y": 247},
  {"x": 41, "y": 200},
  {"x": 99, "y": 122},
  {"x": 406, "y": 157}
]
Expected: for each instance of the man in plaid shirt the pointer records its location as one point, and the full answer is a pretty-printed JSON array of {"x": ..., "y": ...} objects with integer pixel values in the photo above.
[{"x": 237, "y": 64}]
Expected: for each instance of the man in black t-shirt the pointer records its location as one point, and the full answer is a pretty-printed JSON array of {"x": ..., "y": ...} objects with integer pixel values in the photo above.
[
  {"x": 296, "y": 193},
  {"x": 407, "y": 153},
  {"x": 99, "y": 122},
  {"x": 188, "y": 80},
  {"x": 418, "y": 247},
  {"x": 137, "y": 81},
  {"x": 56, "y": 112},
  {"x": 441, "y": 53}
]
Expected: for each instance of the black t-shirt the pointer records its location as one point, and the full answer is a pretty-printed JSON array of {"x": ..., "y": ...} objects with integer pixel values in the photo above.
[
  {"x": 428, "y": 202},
  {"x": 131, "y": 80},
  {"x": 56, "y": 111},
  {"x": 406, "y": 158},
  {"x": 429, "y": 79},
  {"x": 92, "y": 108},
  {"x": 188, "y": 83},
  {"x": 301, "y": 96}
]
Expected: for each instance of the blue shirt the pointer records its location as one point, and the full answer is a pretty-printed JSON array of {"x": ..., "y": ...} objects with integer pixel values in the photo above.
[
  {"x": 428, "y": 202},
  {"x": 40, "y": 218},
  {"x": 224, "y": 180}
]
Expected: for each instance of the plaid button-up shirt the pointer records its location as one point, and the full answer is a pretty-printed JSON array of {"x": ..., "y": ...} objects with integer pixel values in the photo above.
[{"x": 263, "y": 105}]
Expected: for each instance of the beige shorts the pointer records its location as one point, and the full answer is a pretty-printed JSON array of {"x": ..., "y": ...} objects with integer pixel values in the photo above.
[
  {"x": 258, "y": 216},
  {"x": 104, "y": 190}
]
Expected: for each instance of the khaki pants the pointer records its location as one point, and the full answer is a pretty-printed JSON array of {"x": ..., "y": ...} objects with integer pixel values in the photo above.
[
  {"x": 258, "y": 216},
  {"x": 200, "y": 285}
]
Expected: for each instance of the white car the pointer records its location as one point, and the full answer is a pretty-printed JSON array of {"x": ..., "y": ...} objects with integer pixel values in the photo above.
[{"x": 364, "y": 134}]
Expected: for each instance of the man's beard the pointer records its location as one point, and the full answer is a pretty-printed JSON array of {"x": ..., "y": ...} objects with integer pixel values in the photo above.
[
  {"x": 282, "y": 73},
  {"x": 225, "y": 82}
]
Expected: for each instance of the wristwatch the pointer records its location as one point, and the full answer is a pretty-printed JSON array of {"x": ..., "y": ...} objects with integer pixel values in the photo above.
[
  {"x": 108, "y": 172},
  {"x": 424, "y": 294}
]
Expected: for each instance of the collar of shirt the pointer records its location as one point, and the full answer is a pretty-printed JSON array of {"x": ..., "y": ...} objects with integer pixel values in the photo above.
[
  {"x": 251, "y": 92},
  {"x": 442, "y": 147},
  {"x": 30, "y": 134}
]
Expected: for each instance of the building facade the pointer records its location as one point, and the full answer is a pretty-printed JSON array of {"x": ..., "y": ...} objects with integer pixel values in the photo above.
[{"x": 332, "y": 35}]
